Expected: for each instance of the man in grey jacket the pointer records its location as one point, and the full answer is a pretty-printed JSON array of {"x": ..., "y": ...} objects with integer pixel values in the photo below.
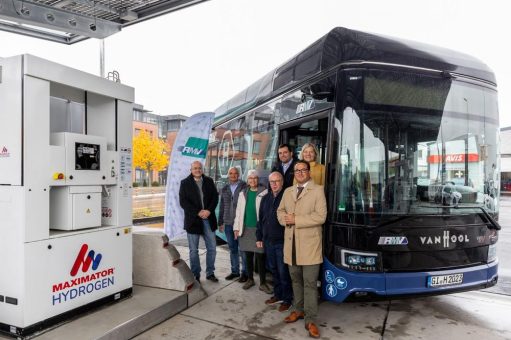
[{"x": 228, "y": 201}]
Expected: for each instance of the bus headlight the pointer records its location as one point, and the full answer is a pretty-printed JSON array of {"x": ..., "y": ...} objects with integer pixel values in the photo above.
[
  {"x": 492, "y": 252},
  {"x": 360, "y": 261}
]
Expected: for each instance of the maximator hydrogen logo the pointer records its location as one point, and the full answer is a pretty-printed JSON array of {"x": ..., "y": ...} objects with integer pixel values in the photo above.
[
  {"x": 86, "y": 284},
  {"x": 85, "y": 261}
]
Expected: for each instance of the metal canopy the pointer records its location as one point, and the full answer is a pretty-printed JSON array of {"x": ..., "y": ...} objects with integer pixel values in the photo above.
[{"x": 70, "y": 21}]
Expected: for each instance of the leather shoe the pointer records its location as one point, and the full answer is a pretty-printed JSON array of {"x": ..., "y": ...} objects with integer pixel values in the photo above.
[
  {"x": 249, "y": 284},
  {"x": 284, "y": 307},
  {"x": 265, "y": 288},
  {"x": 273, "y": 300},
  {"x": 243, "y": 279},
  {"x": 212, "y": 278},
  {"x": 232, "y": 276},
  {"x": 313, "y": 330},
  {"x": 294, "y": 316}
]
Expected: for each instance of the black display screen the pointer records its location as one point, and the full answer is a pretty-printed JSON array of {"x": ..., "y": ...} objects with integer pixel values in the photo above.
[{"x": 87, "y": 156}]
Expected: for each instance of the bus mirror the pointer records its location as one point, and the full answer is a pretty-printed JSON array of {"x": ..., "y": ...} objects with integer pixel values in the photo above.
[{"x": 321, "y": 91}]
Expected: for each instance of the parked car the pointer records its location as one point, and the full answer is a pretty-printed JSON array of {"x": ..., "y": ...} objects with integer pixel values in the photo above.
[
  {"x": 451, "y": 194},
  {"x": 448, "y": 195}
]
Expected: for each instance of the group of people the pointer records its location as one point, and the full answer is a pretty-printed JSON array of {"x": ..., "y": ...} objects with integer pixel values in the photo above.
[{"x": 279, "y": 227}]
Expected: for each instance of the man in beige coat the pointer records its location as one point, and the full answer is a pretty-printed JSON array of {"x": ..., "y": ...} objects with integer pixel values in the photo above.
[{"x": 302, "y": 212}]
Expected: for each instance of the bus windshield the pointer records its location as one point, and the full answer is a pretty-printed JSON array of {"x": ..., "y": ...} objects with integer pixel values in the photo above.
[{"x": 409, "y": 144}]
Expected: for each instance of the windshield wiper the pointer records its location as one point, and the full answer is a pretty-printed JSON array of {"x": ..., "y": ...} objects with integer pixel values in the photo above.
[
  {"x": 493, "y": 223},
  {"x": 394, "y": 220}
]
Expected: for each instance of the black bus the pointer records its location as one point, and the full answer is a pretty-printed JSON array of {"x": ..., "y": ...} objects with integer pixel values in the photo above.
[{"x": 409, "y": 134}]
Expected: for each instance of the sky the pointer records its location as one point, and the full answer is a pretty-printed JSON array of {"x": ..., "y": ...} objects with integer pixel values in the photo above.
[{"x": 195, "y": 59}]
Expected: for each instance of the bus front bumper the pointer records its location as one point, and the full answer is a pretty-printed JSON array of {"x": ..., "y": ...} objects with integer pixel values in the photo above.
[{"x": 339, "y": 285}]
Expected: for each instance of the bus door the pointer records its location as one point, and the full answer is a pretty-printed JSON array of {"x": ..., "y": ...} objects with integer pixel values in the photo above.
[{"x": 307, "y": 130}]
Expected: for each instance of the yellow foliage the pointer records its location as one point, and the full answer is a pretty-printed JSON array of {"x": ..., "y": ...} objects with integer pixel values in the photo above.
[{"x": 149, "y": 153}]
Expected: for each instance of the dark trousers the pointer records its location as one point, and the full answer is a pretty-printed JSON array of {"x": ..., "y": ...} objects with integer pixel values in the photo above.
[
  {"x": 281, "y": 279},
  {"x": 261, "y": 267}
]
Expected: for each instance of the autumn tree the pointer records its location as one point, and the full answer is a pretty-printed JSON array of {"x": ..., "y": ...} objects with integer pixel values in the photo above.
[{"x": 150, "y": 154}]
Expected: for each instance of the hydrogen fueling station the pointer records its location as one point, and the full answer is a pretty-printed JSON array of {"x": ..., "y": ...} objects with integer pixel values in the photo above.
[
  {"x": 65, "y": 193},
  {"x": 66, "y": 204},
  {"x": 66, "y": 171}
]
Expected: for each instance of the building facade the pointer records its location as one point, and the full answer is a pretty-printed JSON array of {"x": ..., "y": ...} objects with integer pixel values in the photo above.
[
  {"x": 163, "y": 127},
  {"x": 505, "y": 159}
]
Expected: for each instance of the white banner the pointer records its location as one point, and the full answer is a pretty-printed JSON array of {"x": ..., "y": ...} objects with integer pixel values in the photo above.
[{"x": 191, "y": 145}]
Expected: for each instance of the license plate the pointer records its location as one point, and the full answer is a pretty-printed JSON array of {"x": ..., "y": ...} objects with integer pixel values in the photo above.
[{"x": 445, "y": 280}]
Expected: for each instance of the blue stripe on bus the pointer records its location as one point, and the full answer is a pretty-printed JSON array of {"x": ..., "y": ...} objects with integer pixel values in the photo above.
[{"x": 342, "y": 283}]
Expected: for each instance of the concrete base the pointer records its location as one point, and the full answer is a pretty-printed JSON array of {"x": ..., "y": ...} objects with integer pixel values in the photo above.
[
  {"x": 124, "y": 320},
  {"x": 157, "y": 263}
]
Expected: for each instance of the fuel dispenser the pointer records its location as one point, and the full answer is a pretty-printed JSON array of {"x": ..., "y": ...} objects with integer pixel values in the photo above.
[{"x": 65, "y": 192}]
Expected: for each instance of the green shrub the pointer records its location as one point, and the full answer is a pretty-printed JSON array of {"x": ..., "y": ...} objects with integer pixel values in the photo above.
[
  {"x": 136, "y": 184},
  {"x": 155, "y": 184},
  {"x": 142, "y": 212}
]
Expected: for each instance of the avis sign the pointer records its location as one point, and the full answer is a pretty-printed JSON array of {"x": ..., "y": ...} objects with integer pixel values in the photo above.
[
  {"x": 85, "y": 277},
  {"x": 454, "y": 158}
]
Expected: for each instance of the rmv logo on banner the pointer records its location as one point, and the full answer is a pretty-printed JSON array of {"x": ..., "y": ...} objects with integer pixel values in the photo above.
[
  {"x": 191, "y": 144},
  {"x": 84, "y": 285},
  {"x": 195, "y": 147}
]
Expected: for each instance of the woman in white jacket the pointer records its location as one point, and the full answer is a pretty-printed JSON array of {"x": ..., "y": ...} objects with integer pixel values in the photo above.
[{"x": 245, "y": 226}]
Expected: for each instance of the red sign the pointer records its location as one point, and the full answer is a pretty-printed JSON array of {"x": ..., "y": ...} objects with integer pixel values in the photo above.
[
  {"x": 454, "y": 158},
  {"x": 4, "y": 152}
]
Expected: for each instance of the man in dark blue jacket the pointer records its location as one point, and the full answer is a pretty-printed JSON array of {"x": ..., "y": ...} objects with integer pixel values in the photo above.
[
  {"x": 198, "y": 197},
  {"x": 285, "y": 165},
  {"x": 270, "y": 234}
]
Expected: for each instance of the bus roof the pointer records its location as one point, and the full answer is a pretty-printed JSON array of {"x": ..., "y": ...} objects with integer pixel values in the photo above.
[{"x": 343, "y": 45}]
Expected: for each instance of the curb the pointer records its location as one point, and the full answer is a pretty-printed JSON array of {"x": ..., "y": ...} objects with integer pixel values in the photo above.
[{"x": 146, "y": 220}]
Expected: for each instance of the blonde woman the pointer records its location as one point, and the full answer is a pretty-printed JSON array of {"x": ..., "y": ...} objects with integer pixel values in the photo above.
[
  {"x": 309, "y": 154},
  {"x": 245, "y": 226}
]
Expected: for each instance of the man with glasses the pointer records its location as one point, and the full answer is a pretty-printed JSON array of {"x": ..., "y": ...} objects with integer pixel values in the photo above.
[
  {"x": 302, "y": 212},
  {"x": 270, "y": 235},
  {"x": 198, "y": 197}
]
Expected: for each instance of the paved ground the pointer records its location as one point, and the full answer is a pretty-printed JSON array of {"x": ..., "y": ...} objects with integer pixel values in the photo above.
[{"x": 232, "y": 313}]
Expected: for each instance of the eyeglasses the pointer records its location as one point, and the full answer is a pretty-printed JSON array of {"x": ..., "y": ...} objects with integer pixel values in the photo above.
[
  {"x": 275, "y": 182},
  {"x": 196, "y": 168},
  {"x": 301, "y": 171}
]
